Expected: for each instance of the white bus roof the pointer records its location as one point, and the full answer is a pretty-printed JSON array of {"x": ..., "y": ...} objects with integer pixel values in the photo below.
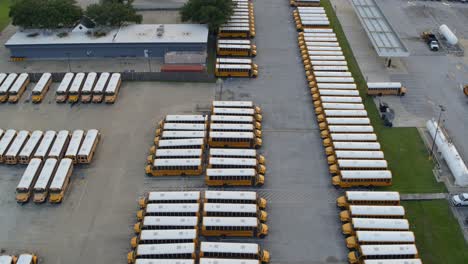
[
  {"x": 46, "y": 143},
  {"x": 334, "y": 79},
  {"x": 356, "y": 145},
  {"x": 243, "y": 104},
  {"x": 345, "y": 86},
  {"x": 168, "y": 234},
  {"x": 231, "y": 172},
  {"x": 330, "y": 68},
  {"x": 372, "y": 196},
  {"x": 89, "y": 82},
  {"x": 353, "y": 137},
  {"x": 165, "y": 249},
  {"x": 183, "y": 134},
  {"x": 324, "y": 52},
  {"x": 170, "y": 221},
  {"x": 2, "y": 77},
  {"x": 231, "y": 195},
  {"x": 233, "y": 127},
  {"x": 377, "y": 210},
  {"x": 8, "y": 82},
  {"x": 329, "y": 63},
  {"x": 230, "y": 221},
  {"x": 332, "y": 74},
  {"x": 185, "y": 118},
  {"x": 165, "y": 261},
  {"x": 234, "y": 66},
  {"x": 318, "y": 34},
  {"x": 379, "y": 85},
  {"x": 216, "y": 134},
  {"x": 101, "y": 83},
  {"x": 25, "y": 259},
  {"x": 380, "y": 223},
  {"x": 7, "y": 138},
  {"x": 77, "y": 82},
  {"x": 225, "y": 152},
  {"x": 228, "y": 261},
  {"x": 113, "y": 84},
  {"x": 388, "y": 250},
  {"x": 18, "y": 143},
  {"x": 385, "y": 236},
  {"x": 246, "y": 24},
  {"x": 229, "y": 118},
  {"x": 178, "y": 153},
  {"x": 173, "y": 208},
  {"x": 236, "y": 248},
  {"x": 40, "y": 85},
  {"x": 332, "y": 92},
  {"x": 75, "y": 142},
  {"x": 327, "y": 58},
  {"x": 59, "y": 143},
  {"x": 349, "y": 129},
  {"x": 229, "y": 207},
  {"x": 373, "y": 164},
  {"x": 65, "y": 83},
  {"x": 46, "y": 174},
  {"x": 233, "y": 61},
  {"x": 345, "y": 112},
  {"x": 353, "y": 154},
  {"x": 88, "y": 142},
  {"x": 19, "y": 83},
  {"x": 233, "y": 161},
  {"x": 177, "y": 162},
  {"x": 184, "y": 126},
  {"x": 29, "y": 173},
  {"x": 4, "y": 259},
  {"x": 181, "y": 142},
  {"x": 315, "y": 30},
  {"x": 32, "y": 143},
  {"x": 347, "y": 121},
  {"x": 366, "y": 174},
  {"x": 234, "y": 41},
  {"x": 342, "y": 106},
  {"x": 168, "y": 196},
  {"x": 317, "y": 39},
  {"x": 61, "y": 174},
  {"x": 322, "y": 48},
  {"x": 392, "y": 261},
  {"x": 340, "y": 99},
  {"x": 239, "y": 111},
  {"x": 244, "y": 29},
  {"x": 322, "y": 44}
]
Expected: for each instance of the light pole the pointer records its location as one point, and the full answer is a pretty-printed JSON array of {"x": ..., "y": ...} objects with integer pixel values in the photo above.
[
  {"x": 149, "y": 60},
  {"x": 68, "y": 59},
  {"x": 220, "y": 84},
  {"x": 442, "y": 109}
]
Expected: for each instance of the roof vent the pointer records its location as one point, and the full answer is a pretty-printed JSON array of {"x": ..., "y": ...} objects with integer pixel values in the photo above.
[{"x": 160, "y": 30}]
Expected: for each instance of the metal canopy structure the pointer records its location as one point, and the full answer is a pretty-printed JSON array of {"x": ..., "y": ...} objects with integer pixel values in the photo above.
[{"x": 384, "y": 39}]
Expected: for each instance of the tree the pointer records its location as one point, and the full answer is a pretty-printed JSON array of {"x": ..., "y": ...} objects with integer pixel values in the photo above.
[
  {"x": 44, "y": 13},
  {"x": 113, "y": 13},
  {"x": 211, "y": 12}
]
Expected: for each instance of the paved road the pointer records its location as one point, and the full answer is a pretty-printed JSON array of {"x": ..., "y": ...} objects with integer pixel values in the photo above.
[{"x": 305, "y": 226}]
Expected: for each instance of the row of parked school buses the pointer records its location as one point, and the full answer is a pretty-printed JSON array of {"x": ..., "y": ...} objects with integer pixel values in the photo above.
[
  {"x": 50, "y": 157},
  {"x": 12, "y": 86},
  {"x": 170, "y": 223},
  {"x": 25, "y": 258},
  {"x": 88, "y": 88},
  {"x": 374, "y": 221},
  {"x": 232, "y": 132},
  {"x": 234, "y": 43}
]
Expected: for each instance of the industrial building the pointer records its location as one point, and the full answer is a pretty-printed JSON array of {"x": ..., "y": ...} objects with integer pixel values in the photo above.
[{"x": 144, "y": 40}]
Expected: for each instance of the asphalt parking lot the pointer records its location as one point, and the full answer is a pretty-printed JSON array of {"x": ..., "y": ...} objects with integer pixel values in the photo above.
[{"x": 94, "y": 223}]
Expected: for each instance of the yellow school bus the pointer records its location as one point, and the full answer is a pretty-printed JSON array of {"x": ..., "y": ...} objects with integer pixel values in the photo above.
[
  {"x": 234, "y": 139},
  {"x": 233, "y": 227},
  {"x": 41, "y": 88},
  {"x": 61, "y": 180},
  {"x": 235, "y": 70},
  {"x": 175, "y": 167},
  {"x": 233, "y": 177},
  {"x": 18, "y": 88},
  {"x": 236, "y": 50}
]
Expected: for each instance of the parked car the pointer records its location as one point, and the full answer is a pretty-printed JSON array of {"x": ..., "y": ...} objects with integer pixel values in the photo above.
[{"x": 460, "y": 199}]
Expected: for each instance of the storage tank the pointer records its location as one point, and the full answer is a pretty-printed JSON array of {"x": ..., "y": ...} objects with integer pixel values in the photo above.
[
  {"x": 450, "y": 155},
  {"x": 448, "y": 34}
]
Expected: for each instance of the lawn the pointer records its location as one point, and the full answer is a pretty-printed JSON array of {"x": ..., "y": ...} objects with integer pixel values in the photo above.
[
  {"x": 438, "y": 235},
  {"x": 4, "y": 8},
  {"x": 403, "y": 147}
]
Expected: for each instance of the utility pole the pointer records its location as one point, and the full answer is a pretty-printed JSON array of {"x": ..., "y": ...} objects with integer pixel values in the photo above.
[{"x": 442, "y": 109}]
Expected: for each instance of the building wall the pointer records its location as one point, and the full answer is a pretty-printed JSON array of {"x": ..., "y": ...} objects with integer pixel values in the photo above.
[{"x": 102, "y": 50}]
